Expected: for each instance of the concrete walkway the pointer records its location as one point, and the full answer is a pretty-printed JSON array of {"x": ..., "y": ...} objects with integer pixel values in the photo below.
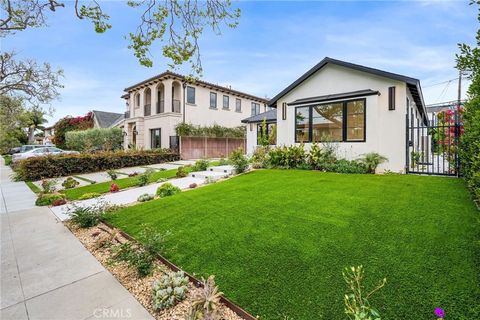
[{"x": 46, "y": 273}]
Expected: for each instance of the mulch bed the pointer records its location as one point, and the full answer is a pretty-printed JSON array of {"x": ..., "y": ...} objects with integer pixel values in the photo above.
[{"x": 140, "y": 288}]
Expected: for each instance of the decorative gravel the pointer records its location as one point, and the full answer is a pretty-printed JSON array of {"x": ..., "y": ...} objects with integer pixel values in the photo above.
[{"x": 140, "y": 288}]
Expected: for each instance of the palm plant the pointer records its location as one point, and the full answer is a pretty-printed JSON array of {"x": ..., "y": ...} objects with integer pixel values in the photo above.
[
  {"x": 34, "y": 119},
  {"x": 372, "y": 160}
]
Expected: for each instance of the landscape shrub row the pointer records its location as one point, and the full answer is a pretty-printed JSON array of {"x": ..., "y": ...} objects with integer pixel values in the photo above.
[
  {"x": 190, "y": 130},
  {"x": 95, "y": 139},
  {"x": 323, "y": 158},
  {"x": 64, "y": 165}
]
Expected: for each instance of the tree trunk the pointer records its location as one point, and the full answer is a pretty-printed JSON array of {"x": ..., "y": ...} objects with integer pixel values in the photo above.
[{"x": 31, "y": 135}]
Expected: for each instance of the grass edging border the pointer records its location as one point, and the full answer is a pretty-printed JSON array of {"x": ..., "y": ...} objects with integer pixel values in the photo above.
[{"x": 234, "y": 307}]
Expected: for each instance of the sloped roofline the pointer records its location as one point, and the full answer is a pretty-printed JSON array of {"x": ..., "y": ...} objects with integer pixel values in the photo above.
[{"x": 412, "y": 83}]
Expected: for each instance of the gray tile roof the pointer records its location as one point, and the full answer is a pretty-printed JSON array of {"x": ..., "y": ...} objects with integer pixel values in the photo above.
[
  {"x": 269, "y": 116},
  {"x": 107, "y": 119}
]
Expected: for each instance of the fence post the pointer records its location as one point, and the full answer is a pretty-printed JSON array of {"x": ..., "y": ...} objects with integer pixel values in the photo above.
[
  {"x": 227, "y": 151},
  {"x": 205, "y": 147}
]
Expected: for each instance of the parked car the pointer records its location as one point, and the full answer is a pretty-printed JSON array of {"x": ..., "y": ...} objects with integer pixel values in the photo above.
[
  {"x": 14, "y": 150},
  {"x": 28, "y": 147},
  {"x": 40, "y": 152}
]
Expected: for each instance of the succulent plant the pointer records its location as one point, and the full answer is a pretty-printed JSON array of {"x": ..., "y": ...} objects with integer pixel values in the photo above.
[{"x": 169, "y": 289}]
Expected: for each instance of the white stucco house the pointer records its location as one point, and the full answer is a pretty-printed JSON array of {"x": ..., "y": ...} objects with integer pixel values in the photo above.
[
  {"x": 156, "y": 105},
  {"x": 361, "y": 108}
]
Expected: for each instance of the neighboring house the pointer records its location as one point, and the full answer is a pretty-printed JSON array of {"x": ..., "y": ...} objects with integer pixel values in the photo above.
[
  {"x": 48, "y": 134},
  {"x": 361, "y": 108},
  {"x": 155, "y": 107},
  {"x": 102, "y": 119}
]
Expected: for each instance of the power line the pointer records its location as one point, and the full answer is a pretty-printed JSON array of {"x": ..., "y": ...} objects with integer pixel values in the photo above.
[{"x": 446, "y": 81}]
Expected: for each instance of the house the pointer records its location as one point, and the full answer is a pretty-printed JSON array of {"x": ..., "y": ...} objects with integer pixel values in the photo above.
[
  {"x": 157, "y": 105},
  {"x": 360, "y": 108},
  {"x": 48, "y": 134},
  {"x": 103, "y": 119}
]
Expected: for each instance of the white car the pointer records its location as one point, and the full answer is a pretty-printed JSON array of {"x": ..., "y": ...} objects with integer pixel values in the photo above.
[{"x": 39, "y": 152}]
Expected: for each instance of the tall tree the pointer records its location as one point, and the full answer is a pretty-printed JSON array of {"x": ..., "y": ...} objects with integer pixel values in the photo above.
[
  {"x": 177, "y": 24},
  {"x": 34, "y": 119},
  {"x": 468, "y": 61},
  {"x": 12, "y": 122}
]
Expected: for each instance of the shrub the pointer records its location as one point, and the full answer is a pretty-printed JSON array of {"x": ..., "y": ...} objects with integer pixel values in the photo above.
[
  {"x": 287, "y": 157},
  {"x": 70, "y": 183},
  {"x": 181, "y": 172},
  {"x": 145, "y": 197},
  {"x": 321, "y": 158},
  {"x": 37, "y": 168},
  {"x": 8, "y": 159},
  {"x": 137, "y": 258},
  {"x": 223, "y": 162},
  {"x": 169, "y": 289},
  {"x": 95, "y": 139},
  {"x": 145, "y": 177},
  {"x": 372, "y": 160},
  {"x": 114, "y": 188},
  {"x": 357, "y": 305},
  {"x": 59, "y": 202},
  {"x": 346, "y": 166},
  {"x": 193, "y": 185},
  {"x": 47, "y": 199},
  {"x": 89, "y": 195},
  {"x": 87, "y": 216},
  {"x": 186, "y": 129},
  {"x": 133, "y": 174},
  {"x": 69, "y": 123},
  {"x": 112, "y": 174},
  {"x": 49, "y": 186},
  {"x": 260, "y": 158},
  {"x": 200, "y": 165},
  {"x": 206, "y": 302},
  {"x": 162, "y": 180},
  {"x": 239, "y": 161},
  {"x": 167, "y": 189}
]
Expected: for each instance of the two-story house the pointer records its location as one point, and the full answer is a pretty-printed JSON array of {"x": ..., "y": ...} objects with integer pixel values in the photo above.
[{"x": 155, "y": 106}]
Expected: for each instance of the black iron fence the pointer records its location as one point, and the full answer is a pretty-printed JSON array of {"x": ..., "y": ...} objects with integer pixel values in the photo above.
[{"x": 432, "y": 145}]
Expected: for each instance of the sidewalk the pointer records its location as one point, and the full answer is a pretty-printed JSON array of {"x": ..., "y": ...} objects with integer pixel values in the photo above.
[{"x": 46, "y": 273}]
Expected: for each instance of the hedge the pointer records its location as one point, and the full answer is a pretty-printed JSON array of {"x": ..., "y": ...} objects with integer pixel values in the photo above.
[
  {"x": 190, "y": 130},
  {"x": 95, "y": 139},
  {"x": 65, "y": 165}
]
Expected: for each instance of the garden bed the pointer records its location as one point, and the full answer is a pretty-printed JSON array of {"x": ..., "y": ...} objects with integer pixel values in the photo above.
[{"x": 140, "y": 288}]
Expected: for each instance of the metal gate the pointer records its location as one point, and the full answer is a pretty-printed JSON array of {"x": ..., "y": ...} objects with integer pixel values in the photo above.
[{"x": 432, "y": 144}]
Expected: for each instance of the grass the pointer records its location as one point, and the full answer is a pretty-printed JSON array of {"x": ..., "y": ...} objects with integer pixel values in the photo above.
[
  {"x": 33, "y": 187},
  {"x": 8, "y": 159},
  {"x": 104, "y": 187},
  {"x": 277, "y": 241}
]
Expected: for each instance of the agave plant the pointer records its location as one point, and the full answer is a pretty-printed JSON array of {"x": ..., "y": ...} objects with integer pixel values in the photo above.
[
  {"x": 372, "y": 160},
  {"x": 206, "y": 302}
]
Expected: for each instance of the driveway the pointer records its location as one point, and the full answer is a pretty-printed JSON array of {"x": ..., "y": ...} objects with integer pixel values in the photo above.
[{"x": 46, "y": 273}]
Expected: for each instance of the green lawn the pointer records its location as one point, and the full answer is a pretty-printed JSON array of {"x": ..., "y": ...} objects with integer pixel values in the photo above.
[
  {"x": 277, "y": 241},
  {"x": 104, "y": 187}
]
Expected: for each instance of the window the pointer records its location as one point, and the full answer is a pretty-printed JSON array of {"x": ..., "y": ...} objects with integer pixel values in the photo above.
[
  {"x": 137, "y": 100},
  {"x": 238, "y": 105},
  {"x": 213, "y": 100},
  {"x": 284, "y": 111},
  {"x": 339, "y": 121},
  {"x": 327, "y": 121},
  {"x": 271, "y": 133},
  {"x": 155, "y": 138},
  {"x": 255, "y": 108},
  {"x": 191, "y": 95},
  {"x": 226, "y": 102}
]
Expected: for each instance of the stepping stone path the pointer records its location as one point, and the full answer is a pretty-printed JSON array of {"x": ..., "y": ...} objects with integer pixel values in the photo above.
[{"x": 130, "y": 195}]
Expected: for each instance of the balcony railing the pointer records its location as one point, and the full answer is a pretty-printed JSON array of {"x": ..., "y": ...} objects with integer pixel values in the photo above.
[
  {"x": 176, "y": 106},
  {"x": 127, "y": 114},
  {"x": 147, "y": 110},
  {"x": 161, "y": 106}
]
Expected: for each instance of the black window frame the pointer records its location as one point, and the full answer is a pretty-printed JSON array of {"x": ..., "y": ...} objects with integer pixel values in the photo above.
[
  {"x": 152, "y": 135},
  {"x": 223, "y": 102},
  {"x": 213, "y": 94},
  {"x": 344, "y": 120},
  {"x": 268, "y": 131},
  {"x": 238, "y": 105},
  {"x": 194, "y": 93}
]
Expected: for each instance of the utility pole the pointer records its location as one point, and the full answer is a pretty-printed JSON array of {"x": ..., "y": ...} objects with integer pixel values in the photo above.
[{"x": 459, "y": 88}]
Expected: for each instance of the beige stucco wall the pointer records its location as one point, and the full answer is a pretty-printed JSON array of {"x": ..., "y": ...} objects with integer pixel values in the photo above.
[
  {"x": 385, "y": 129},
  {"x": 199, "y": 113}
]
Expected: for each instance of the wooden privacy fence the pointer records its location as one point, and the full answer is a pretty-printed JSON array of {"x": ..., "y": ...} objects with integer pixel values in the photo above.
[{"x": 207, "y": 147}]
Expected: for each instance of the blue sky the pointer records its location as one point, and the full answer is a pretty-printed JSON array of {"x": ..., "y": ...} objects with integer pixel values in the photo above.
[{"x": 274, "y": 44}]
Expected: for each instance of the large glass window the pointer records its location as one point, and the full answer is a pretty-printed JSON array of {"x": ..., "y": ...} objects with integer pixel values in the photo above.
[
  {"x": 327, "y": 121},
  {"x": 355, "y": 121},
  {"x": 339, "y": 121},
  {"x": 191, "y": 95},
  {"x": 156, "y": 141},
  {"x": 271, "y": 133},
  {"x": 302, "y": 124},
  {"x": 213, "y": 100}
]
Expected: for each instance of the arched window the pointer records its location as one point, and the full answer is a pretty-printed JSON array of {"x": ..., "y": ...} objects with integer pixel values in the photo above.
[{"x": 137, "y": 100}]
